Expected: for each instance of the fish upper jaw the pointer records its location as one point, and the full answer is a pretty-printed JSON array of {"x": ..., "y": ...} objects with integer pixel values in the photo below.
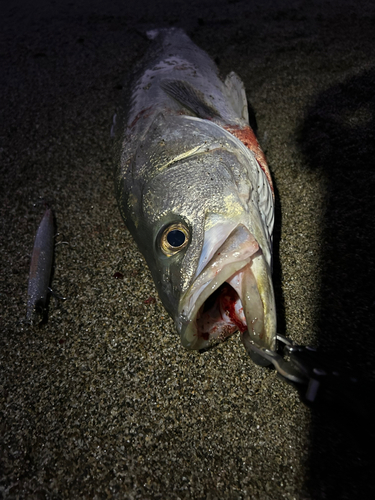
[{"x": 233, "y": 292}]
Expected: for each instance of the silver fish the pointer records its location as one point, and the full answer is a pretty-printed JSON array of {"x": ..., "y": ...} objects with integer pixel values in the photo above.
[
  {"x": 40, "y": 267},
  {"x": 195, "y": 191}
]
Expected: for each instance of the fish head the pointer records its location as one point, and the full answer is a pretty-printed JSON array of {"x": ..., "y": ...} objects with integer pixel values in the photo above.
[{"x": 198, "y": 222}]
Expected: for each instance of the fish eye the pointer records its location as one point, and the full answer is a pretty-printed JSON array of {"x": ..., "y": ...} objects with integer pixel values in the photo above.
[{"x": 174, "y": 238}]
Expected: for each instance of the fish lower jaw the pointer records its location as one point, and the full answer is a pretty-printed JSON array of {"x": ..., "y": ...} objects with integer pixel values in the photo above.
[{"x": 236, "y": 305}]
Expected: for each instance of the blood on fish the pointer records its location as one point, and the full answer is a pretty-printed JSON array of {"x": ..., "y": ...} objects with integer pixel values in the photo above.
[
  {"x": 219, "y": 317},
  {"x": 228, "y": 303},
  {"x": 141, "y": 114},
  {"x": 247, "y": 137}
]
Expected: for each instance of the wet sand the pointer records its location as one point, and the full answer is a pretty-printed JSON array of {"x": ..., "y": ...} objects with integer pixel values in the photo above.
[{"x": 101, "y": 401}]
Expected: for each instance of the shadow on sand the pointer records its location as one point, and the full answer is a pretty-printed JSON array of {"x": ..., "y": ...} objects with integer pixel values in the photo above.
[{"x": 338, "y": 136}]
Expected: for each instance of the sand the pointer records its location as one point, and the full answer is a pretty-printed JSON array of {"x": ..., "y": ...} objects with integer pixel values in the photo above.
[{"x": 101, "y": 401}]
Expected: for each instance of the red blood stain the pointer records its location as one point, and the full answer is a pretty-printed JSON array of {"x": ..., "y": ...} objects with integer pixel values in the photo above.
[
  {"x": 222, "y": 314},
  {"x": 247, "y": 137},
  {"x": 150, "y": 300},
  {"x": 228, "y": 300},
  {"x": 141, "y": 114}
]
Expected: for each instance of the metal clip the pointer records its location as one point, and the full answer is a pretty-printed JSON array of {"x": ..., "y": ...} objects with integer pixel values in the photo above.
[
  {"x": 286, "y": 368},
  {"x": 320, "y": 384},
  {"x": 305, "y": 360}
]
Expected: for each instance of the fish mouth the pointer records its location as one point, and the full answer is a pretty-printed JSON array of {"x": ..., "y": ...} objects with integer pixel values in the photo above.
[{"x": 233, "y": 292}]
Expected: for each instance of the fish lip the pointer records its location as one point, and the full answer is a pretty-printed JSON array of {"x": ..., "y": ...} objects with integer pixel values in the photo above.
[{"x": 254, "y": 284}]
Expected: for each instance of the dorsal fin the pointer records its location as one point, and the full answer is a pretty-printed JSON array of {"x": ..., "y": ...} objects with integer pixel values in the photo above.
[
  {"x": 237, "y": 95},
  {"x": 191, "y": 98}
]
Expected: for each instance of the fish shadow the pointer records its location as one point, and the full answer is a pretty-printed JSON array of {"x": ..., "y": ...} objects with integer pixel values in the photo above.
[{"x": 338, "y": 138}]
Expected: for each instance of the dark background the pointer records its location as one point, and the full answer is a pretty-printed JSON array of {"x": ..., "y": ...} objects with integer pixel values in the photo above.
[{"x": 102, "y": 401}]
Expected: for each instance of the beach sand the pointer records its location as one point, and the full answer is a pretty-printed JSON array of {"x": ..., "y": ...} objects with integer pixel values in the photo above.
[{"x": 101, "y": 401}]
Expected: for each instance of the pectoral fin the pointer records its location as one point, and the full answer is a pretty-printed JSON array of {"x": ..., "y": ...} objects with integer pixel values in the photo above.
[{"x": 191, "y": 98}]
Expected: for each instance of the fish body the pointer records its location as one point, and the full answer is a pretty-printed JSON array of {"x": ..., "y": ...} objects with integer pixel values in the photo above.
[
  {"x": 40, "y": 267},
  {"x": 194, "y": 189}
]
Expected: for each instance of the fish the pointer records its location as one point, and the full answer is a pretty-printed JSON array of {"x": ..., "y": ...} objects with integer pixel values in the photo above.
[
  {"x": 195, "y": 191},
  {"x": 40, "y": 268}
]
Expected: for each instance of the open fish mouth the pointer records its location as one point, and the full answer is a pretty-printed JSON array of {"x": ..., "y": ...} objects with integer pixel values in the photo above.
[{"x": 233, "y": 292}]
